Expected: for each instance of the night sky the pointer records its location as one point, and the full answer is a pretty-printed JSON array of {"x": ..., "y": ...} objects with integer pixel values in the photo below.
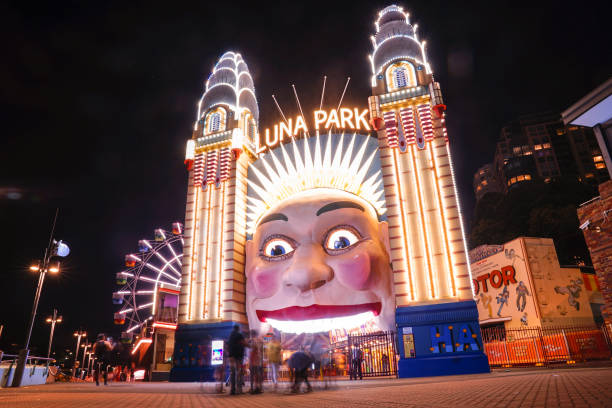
[{"x": 98, "y": 101}]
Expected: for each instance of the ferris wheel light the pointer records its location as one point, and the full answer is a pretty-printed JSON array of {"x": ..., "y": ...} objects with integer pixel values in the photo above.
[
  {"x": 177, "y": 228},
  {"x": 144, "y": 246},
  {"x": 159, "y": 235}
]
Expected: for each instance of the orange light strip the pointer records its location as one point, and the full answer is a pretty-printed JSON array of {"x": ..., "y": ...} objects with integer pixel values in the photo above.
[
  {"x": 207, "y": 238},
  {"x": 222, "y": 257},
  {"x": 172, "y": 291},
  {"x": 164, "y": 325},
  {"x": 403, "y": 222},
  {"x": 424, "y": 228},
  {"x": 141, "y": 341},
  {"x": 194, "y": 233},
  {"x": 443, "y": 216}
]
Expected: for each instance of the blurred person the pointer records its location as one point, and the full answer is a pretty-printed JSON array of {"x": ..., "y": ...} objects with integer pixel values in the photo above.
[
  {"x": 236, "y": 345},
  {"x": 385, "y": 363},
  {"x": 299, "y": 363},
  {"x": 356, "y": 358},
  {"x": 274, "y": 360},
  {"x": 256, "y": 363},
  {"x": 101, "y": 349}
]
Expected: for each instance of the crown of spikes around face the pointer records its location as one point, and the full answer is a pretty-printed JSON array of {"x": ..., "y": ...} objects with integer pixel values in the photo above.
[{"x": 347, "y": 163}]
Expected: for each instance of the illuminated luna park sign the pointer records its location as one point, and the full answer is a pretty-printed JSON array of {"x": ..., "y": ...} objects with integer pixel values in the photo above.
[{"x": 341, "y": 119}]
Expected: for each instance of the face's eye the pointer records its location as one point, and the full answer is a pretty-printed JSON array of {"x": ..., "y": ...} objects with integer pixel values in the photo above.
[
  {"x": 341, "y": 238},
  {"x": 277, "y": 247}
]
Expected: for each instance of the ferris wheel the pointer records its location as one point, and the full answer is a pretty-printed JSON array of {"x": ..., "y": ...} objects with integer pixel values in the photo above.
[{"x": 156, "y": 267}]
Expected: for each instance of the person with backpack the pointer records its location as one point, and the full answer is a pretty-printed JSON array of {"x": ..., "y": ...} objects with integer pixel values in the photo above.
[
  {"x": 299, "y": 362},
  {"x": 101, "y": 350}
]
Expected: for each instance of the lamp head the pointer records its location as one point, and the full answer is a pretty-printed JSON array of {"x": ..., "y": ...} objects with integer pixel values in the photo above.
[{"x": 54, "y": 268}]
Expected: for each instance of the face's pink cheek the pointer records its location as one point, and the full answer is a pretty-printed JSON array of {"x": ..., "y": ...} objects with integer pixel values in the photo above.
[
  {"x": 353, "y": 269},
  {"x": 265, "y": 280}
]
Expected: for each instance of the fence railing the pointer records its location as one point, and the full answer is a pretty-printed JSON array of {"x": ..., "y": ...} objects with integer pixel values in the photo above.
[
  {"x": 377, "y": 354},
  {"x": 542, "y": 346}
]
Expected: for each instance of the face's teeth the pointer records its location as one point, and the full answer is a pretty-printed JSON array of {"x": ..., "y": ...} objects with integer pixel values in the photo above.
[{"x": 321, "y": 325}]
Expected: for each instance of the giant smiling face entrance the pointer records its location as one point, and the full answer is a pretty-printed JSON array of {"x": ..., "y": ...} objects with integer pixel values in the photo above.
[
  {"x": 318, "y": 259},
  {"x": 348, "y": 222}
]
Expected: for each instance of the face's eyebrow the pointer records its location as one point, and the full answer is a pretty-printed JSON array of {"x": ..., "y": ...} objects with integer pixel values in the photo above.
[
  {"x": 273, "y": 217},
  {"x": 338, "y": 205}
]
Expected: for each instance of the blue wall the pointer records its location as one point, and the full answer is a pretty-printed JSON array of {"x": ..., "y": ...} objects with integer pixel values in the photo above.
[
  {"x": 446, "y": 339},
  {"x": 192, "y": 350}
]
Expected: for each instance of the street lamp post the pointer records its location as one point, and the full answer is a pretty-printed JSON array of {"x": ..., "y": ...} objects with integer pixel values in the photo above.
[
  {"x": 54, "y": 319},
  {"x": 84, "y": 354},
  {"x": 54, "y": 248},
  {"x": 78, "y": 335},
  {"x": 88, "y": 362}
]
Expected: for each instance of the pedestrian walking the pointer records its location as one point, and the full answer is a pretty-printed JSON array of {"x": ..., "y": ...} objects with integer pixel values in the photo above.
[
  {"x": 299, "y": 363},
  {"x": 256, "y": 363},
  {"x": 236, "y": 344},
  {"x": 274, "y": 360},
  {"x": 101, "y": 350}
]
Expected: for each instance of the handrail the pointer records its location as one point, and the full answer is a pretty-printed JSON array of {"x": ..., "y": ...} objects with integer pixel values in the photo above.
[{"x": 29, "y": 357}]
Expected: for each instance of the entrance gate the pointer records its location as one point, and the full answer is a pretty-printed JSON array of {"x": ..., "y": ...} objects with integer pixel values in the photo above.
[{"x": 378, "y": 353}]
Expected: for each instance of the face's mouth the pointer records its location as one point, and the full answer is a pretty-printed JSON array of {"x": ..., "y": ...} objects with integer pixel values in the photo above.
[{"x": 316, "y": 312}]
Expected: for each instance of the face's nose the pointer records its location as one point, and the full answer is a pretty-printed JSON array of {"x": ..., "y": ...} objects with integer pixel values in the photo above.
[{"x": 308, "y": 269}]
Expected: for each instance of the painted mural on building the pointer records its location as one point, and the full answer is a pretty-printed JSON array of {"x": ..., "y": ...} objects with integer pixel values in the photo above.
[{"x": 522, "y": 284}]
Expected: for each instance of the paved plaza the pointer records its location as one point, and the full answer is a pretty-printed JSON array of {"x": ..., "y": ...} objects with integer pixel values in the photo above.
[{"x": 572, "y": 387}]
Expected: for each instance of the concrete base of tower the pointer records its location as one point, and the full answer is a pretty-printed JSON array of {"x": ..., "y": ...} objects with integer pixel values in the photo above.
[
  {"x": 440, "y": 339},
  {"x": 192, "y": 359}
]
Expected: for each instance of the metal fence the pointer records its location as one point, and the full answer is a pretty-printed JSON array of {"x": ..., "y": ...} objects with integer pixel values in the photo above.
[
  {"x": 378, "y": 353},
  {"x": 528, "y": 346}
]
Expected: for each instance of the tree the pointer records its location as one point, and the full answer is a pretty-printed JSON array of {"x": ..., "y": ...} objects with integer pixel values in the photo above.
[{"x": 535, "y": 209}]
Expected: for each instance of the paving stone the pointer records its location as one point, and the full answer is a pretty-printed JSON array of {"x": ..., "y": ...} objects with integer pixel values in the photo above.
[{"x": 578, "y": 387}]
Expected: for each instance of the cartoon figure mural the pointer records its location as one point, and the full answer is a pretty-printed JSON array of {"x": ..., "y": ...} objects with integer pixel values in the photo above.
[
  {"x": 572, "y": 291},
  {"x": 486, "y": 302},
  {"x": 521, "y": 296},
  {"x": 512, "y": 255},
  {"x": 525, "y": 272},
  {"x": 502, "y": 300}
]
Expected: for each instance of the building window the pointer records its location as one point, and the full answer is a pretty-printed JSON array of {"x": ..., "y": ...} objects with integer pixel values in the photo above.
[
  {"x": 399, "y": 77},
  {"x": 597, "y": 159},
  {"x": 600, "y": 165},
  {"x": 214, "y": 122}
]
